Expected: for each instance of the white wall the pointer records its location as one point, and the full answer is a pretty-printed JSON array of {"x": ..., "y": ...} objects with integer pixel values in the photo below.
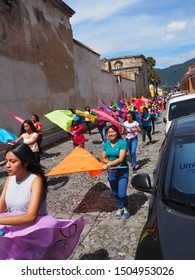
[{"x": 92, "y": 84}]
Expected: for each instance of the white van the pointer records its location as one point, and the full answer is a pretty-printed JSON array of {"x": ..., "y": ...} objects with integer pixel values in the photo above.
[{"x": 179, "y": 107}]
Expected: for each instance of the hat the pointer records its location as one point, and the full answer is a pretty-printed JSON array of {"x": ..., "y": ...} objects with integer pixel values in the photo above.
[{"x": 75, "y": 119}]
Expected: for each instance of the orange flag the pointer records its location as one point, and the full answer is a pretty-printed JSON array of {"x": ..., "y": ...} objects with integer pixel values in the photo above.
[{"x": 79, "y": 160}]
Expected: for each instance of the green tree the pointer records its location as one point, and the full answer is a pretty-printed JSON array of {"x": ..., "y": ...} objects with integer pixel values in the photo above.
[
  {"x": 153, "y": 77},
  {"x": 151, "y": 62}
]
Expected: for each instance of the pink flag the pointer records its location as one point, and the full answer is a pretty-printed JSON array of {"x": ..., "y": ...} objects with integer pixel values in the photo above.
[
  {"x": 104, "y": 107},
  {"x": 17, "y": 118},
  {"x": 108, "y": 118}
]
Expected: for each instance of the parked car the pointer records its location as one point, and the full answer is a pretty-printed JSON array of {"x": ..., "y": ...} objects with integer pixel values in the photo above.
[
  {"x": 179, "y": 107},
  {"x": 177, "y": 94},
  {"x": 170, "y": 227}
]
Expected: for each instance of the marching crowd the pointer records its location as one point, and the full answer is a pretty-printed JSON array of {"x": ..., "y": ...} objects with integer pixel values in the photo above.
[{"x": 23, "y": 199}]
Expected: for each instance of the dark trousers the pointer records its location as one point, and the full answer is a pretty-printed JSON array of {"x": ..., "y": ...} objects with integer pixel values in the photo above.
[
  {"x": 39, "y": 141},
  {"x": 146, "y": 130},
  {"x": 88, "y": 124}
]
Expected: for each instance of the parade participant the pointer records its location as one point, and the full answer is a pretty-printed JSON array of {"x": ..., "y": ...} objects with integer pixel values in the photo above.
[
  {"x": 76, "y": 132},
  {"x": 114, "y": 157},
  {"x": 29, "y": 135},
  {"x": 152, "y": 111},
  {"x": 38, "y": 125},
  {"x": 137, "y": 117},
  {"x": 131, "y": 127},
  {"x": 87, "y": 121},
  {"x": 115, "y": 113},
  {"x": 111, "y": 104},
  {"x": 26, "y": 223},
  {"x": 146, "y": 126},
  {"x": 124, "y": 111},
  {"x": 101, "y": 125}
]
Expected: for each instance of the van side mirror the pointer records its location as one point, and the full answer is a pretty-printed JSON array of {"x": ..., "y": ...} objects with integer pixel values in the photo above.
[
  {"x": 164, "y": 119},
  {"x": 142, "y": 182}
]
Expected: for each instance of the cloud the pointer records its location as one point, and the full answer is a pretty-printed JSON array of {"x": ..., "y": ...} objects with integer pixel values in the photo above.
[
  {"x": 168, "y": 37},
  {"x": 93, "y": 10},
  {"x": 161, "y": 29},
  {"x": 176, "y": 26}
]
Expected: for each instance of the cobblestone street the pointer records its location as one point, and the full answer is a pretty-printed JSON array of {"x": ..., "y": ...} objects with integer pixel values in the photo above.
[{"x": 77, "y": 195}]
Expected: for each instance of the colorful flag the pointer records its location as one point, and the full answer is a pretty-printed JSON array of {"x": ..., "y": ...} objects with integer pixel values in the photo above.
[{"x": 79, "y": 160}]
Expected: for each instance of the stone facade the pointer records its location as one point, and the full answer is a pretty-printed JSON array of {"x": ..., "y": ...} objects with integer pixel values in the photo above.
[
  {"x": 93, "y": 84},
  {"x": 131, "y": 67},
  {"x": 36, "y": 57}
]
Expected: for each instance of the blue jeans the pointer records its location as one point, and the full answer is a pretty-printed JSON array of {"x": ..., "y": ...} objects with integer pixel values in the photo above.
[
  {"x": 132, "y": 147},
  {"x": 104, "y": 133},
  {"x": 118, "y": 180}
]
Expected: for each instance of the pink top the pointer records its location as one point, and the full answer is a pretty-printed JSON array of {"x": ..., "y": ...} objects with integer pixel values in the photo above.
[{"x": 34, "y": 147}]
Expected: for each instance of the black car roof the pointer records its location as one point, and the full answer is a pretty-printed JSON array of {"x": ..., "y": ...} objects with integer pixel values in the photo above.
[{"x": 184, "y": 125}]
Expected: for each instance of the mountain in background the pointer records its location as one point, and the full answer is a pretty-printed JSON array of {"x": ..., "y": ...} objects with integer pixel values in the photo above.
[{"x": 172, "y": 75}]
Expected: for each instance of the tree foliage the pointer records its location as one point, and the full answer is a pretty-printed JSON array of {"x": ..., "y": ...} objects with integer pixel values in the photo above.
[{"x": 153, "y": 76}]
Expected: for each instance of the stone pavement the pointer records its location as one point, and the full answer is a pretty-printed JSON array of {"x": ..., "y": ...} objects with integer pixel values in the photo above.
[{"x": 76, "y": 195}]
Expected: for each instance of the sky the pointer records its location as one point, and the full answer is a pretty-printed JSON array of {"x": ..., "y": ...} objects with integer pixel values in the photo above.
[{"x": 162, "y": 29}]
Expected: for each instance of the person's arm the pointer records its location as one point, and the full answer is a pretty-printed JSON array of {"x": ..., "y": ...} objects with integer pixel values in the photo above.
[
  {"x": 33, "y": 139},
  {"x": 107, "y": 164},
  {"x": 39, "y": 127},
  {"x": 20, "y": 138},
  {"x": 124, "y": 128},
  {"x": 79, "y": 129},
  {"x": 33, "y": 207},
  {"x": 137, "y": 127},
  {"x": 3, "y": 206},
  {"x": 147, "y": 118}
]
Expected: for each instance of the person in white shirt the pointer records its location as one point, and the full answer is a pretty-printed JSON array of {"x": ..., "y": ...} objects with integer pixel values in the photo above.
[
  {"x": 87, "y": 121},
  {"x": 131, "y": 127},
  {"x": 29, "y": 136}
]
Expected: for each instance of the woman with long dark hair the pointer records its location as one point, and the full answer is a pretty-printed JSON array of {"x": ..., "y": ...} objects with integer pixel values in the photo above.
[
  {"x": 38, "y": 125},
  {"x": 87, "y": 121},
  {"x": 29, "y": 135},
  {"x": 29, "y": 232}
]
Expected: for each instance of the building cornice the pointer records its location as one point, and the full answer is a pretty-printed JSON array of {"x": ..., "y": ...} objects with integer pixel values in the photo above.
[
  {"x": 60, "y": 4},
  {"x": 127, "y": 56},
  {"x": 84, "y": 46}
]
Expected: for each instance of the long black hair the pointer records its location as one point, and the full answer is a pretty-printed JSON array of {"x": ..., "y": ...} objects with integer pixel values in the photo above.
[
  {"x": 132, "y": 114},
  {"x": 29, "y": 122},
  {"x": 36, "y": 117},
  {"x": 25, "y": 154}
]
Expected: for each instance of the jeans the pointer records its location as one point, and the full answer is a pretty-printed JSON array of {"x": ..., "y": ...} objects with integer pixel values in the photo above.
[
  {"x": 102, "y": 132},
  {"x": 132, "y": 147},
  {"x": 118, "y": 180}
]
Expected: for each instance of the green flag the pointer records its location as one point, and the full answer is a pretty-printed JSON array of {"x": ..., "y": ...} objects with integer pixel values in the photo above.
[{"x": 63, "y": 118}]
